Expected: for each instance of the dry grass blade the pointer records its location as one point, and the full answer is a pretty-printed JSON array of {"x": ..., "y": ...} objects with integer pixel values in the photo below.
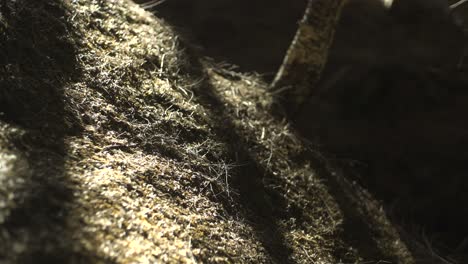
[{"x": 151, "y": 4}]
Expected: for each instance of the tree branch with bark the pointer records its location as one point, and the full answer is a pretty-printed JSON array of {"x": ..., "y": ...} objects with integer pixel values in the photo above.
[{"x": 307, "y": 54}]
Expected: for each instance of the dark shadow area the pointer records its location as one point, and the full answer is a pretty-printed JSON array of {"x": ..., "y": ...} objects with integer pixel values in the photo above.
[
  {"x": 253, "y": 35},
  {"x": 37, "y": 59},
  {"x": 409, "y": 151},
  {"x": 359, "y": 230},
  {"x": 391, "y": 110}
]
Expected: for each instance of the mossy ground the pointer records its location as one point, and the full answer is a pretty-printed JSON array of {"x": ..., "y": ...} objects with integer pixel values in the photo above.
[{"x": 118, "y": 144}]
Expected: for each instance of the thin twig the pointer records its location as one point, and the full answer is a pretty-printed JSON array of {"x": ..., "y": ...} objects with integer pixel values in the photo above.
[
  {"x": 151, "y": 4},
  {"x": 458, "y": 4}
]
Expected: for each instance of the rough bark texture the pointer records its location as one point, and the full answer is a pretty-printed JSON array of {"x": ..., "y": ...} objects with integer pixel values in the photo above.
[{"x": 307, "y": 55}]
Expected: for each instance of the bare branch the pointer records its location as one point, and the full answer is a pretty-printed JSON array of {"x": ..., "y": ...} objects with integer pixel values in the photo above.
[{"x": 308, "y": 52}]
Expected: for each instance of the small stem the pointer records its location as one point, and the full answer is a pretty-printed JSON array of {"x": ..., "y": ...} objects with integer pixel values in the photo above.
[{"x": 458, "y": 4}]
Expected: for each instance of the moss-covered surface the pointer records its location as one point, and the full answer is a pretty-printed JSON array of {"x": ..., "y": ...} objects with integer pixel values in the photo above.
[{"x": 118, "y": 145}]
